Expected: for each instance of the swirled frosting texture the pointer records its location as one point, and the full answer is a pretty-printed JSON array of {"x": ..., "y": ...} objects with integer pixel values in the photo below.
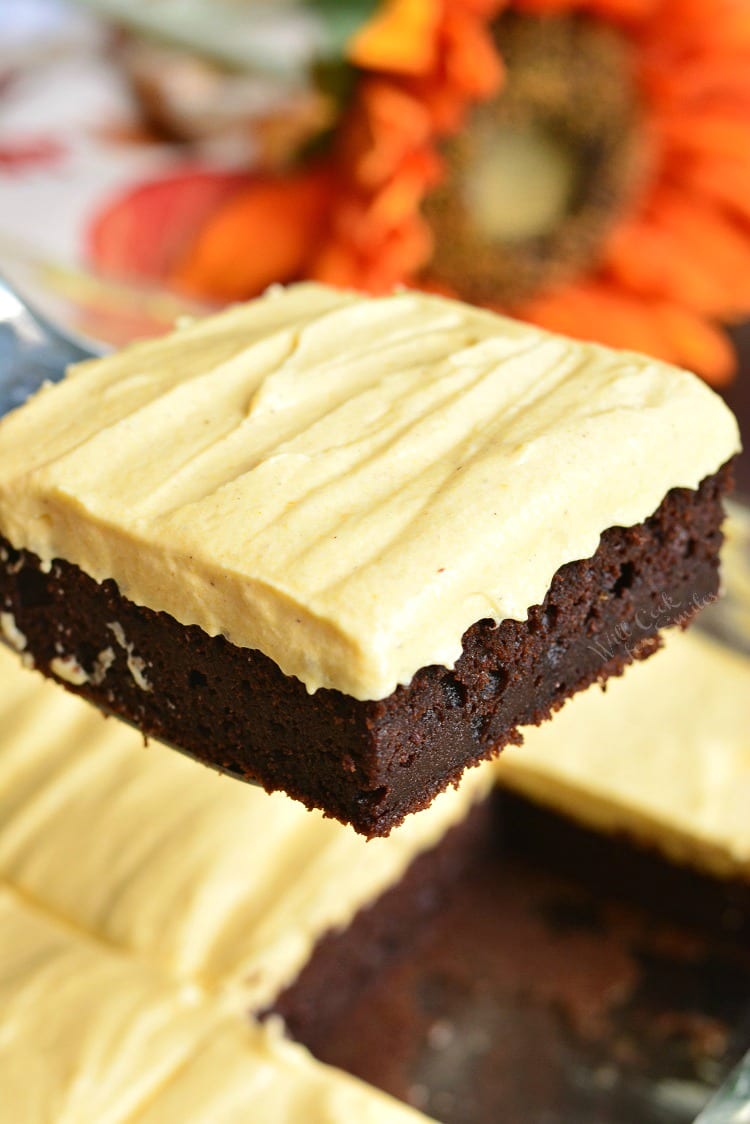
[
  {"x": 89, "y": 1035},
  {"x": 146, "y": 907},
  {"x": 214, "y": 883},
  {"x": 348, "y": 484}
]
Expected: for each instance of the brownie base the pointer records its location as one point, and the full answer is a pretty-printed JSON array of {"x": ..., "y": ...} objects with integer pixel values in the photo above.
[
  {"x": 345, "y": 961},
  {"x": 567, "y": 976},
  {"x": 371, "y": 763}
]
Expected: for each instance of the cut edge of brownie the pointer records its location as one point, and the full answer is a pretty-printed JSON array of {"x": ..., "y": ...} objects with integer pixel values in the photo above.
[
  {"x": 370, "y": 763},
  {"x": 347, "y": 958},
  {"x": 385, "y": 958}
]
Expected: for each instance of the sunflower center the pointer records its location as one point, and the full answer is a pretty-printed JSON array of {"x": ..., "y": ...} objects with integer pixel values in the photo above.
[
  {"x": 523, "y": 183},
  {"x": 540, "y": 173}
]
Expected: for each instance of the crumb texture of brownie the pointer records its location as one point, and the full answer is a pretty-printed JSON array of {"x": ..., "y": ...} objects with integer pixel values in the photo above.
[{"x": 371, "y": 763}]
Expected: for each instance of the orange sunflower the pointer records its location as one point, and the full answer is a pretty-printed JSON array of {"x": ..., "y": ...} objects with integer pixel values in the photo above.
[
  {"x": 583, "y": 164},
  {"x": 420, "y": 64}
]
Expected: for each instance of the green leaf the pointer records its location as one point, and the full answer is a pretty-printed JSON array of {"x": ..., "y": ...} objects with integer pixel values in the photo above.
[{"x": 342, "y": 19}]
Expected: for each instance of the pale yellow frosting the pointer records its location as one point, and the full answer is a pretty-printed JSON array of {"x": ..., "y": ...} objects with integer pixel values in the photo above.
[
  {"x": 255, "y": 1076},
  {"x": 89, "y": 1036},
  {"x": 213, "y": 882},
  {"x": 663, "y": 754},
  {"x": 348, "y": 484}
]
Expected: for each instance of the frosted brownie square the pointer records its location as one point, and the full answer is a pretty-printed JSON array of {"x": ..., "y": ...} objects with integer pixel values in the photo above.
[
  {"x": 345, "y": 547},
  {"x": 213, "y": 883},
  {"x": 91, "y": 1035},
  {"x": 147, "y": 910},
  {"x": 150, "y": 913}
]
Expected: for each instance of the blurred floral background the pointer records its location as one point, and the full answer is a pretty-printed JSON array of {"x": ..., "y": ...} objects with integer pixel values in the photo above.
[{"x": 583, "y": 164}]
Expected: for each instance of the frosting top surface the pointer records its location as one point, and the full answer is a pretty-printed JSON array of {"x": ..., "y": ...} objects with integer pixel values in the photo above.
[
  {"x": 89, "y": 1035},
  {"x": 146, "y": 905},
  {"x": 347, "y": 484},
  {"x": 664, "y": 754}
]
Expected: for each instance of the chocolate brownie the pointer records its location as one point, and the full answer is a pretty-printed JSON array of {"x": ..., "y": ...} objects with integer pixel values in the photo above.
[
  {"x": 347, "y": 546},
  {"x": 568, "y": 976},
  {"x": 371, "y": 762}
]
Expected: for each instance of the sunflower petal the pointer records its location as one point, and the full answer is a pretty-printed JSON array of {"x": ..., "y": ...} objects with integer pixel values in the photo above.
[
  {"x": 597, "y": 310},
  {"x": 722, "y": 25},
  {"x": 711, "y": 236},
  {"x": 401, "y": 38},
  {"x": 402, "y": 196},
  {"x": 263, "y": 234},
  {"x": 393, "y": 124},
  {"x": 648, "y": 258},
  {"x": 698, "y": 344},
  {"x": 659, "y": 328},
  {"x": 698, "y": 82},
  {"x": 471, "y": 62},
  {"x": 727, "y": 182},
  {"x": 718, "y": 133},
  {"x": 385, "y": 155},
  {"x": 144, "y": 231}
]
